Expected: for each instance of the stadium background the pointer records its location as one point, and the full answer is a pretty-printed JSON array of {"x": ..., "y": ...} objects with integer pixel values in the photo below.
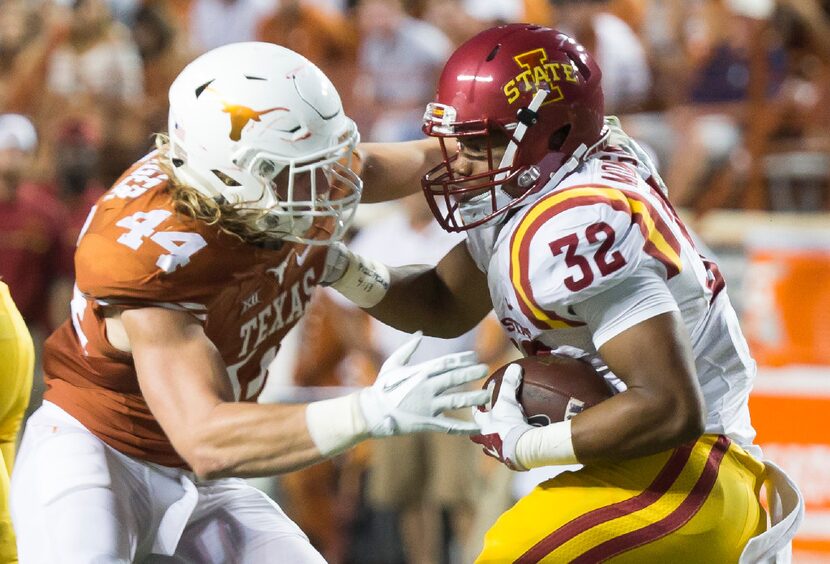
[{"x": 732, "y": 97}]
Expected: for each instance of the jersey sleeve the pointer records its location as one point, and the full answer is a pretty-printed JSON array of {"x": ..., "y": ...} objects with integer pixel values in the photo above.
[
  {"x": 639, "y": 297},
  {"x": 578, "y": 243},
  {"x": 144, "y": 257}
]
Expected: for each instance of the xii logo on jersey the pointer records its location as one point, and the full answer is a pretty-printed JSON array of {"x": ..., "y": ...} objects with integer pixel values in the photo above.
[
  {"x": 250, "y": 301},
  {"x": 535, "y": 73}
]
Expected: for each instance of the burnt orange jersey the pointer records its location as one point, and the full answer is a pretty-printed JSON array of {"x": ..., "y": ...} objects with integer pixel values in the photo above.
[{"x": 137, "y": 251}]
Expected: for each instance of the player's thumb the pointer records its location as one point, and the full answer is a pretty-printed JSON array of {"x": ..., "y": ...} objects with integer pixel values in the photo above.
[
  {"x": 403, "y": 353},
  {"x": 510, "y": 382}
]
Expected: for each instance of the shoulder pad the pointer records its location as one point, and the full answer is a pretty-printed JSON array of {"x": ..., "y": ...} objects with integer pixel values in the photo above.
[
  {"x": 146, "y": 253},
  {"x": 144, "y": 175}
]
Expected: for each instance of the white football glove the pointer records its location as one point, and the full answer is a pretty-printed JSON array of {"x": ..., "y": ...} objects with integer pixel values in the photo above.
[
  {"x": 410, "y": 398},
  {"x": 503, "y": 424}
]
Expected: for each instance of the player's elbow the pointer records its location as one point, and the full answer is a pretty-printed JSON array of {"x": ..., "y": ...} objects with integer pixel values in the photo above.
[
  {"x": 206, "y": 461},
  {"x": 210, "y": 468},
  {"x": 673, "y": 418},
  {"x": 687, "y": 419}
]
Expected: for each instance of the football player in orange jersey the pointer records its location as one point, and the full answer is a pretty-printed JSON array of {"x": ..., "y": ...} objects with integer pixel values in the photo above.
[
  {"x": 189, "y": 272},
  {"x": 572, "y": 240}
]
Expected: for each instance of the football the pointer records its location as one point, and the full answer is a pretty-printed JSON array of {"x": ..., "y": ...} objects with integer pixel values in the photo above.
[{"x": 554, "y": 387}]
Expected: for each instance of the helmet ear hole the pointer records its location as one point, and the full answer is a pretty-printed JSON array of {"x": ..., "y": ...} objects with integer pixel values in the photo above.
[
  {"x": 227, "y": 180},
  {"x": 558, "y": 137},
  {"x": 583, "y": 69}
]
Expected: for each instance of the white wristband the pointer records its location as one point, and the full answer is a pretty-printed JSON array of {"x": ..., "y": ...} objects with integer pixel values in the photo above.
[
  {"x": 336, "y": 424},
  {"x": 550, "y": 445},
  {"x": 365, "y": 281}
]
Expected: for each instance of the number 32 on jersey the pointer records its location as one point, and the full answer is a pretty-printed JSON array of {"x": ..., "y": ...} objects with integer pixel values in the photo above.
[{"x": 599, "y": 232}]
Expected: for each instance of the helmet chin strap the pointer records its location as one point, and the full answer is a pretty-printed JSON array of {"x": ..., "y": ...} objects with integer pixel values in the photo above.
[
  {"x": 577, "y": 157},
  {"x": 481, "y": 205},
  {"x": 510, "y": 152}
]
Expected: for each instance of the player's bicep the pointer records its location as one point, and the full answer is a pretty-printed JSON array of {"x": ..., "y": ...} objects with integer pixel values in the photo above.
[
  {"x": 654, "y": 358},
  {"x": 180, "y": 371},
  {"x": 465, "y": 284},
  {"x": 641, "y": 309},
  {"x": 662, "y": 406}
]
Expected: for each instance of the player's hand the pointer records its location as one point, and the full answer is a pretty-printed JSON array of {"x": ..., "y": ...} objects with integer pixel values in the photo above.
[
  {"x": 503, "y": 424},
  {"x": 410, "y": 398}
]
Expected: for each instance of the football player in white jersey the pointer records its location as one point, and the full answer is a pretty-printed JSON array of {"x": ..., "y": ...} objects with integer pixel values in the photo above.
[{"x": 571, "y": 238}]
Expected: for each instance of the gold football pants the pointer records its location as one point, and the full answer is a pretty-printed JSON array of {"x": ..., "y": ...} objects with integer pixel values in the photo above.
[
  {"x": 16, "y": 366},
  {"x": 696, "y": 503}
]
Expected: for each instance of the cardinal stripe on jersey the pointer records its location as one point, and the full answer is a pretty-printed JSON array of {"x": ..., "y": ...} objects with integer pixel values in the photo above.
[
  {"x": 660, "y": 242},
  {"x": 714, "y": 279},
  {"x": 674, "y": 497}
]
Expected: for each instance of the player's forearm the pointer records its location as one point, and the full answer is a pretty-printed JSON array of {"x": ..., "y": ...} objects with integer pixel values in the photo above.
[
  {"x": 628, "y": 425},
  {"x": 248, "y": 439},
  {"x": 635, "y": 423},
  {"x": 394, "y": 170},
  {"x": 418, "y": 299},
  {"x": 442, "y": 301}
]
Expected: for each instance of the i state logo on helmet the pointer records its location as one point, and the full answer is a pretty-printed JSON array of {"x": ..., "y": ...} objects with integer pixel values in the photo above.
[{"x": 536, "y": 70}]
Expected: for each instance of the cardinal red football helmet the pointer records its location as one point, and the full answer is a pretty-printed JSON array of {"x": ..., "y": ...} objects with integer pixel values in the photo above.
[{"x": 532, "y": 85}]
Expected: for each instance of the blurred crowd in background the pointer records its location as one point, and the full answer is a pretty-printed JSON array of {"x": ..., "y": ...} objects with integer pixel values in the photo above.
[{"x": 732, "y": 98}]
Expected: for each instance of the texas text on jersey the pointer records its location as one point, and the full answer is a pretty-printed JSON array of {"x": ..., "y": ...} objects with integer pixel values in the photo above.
[{"x": 137, "y": 251}]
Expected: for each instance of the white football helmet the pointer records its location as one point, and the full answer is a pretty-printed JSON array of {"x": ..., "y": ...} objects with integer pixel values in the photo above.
[{"x": 258, "y": 125}]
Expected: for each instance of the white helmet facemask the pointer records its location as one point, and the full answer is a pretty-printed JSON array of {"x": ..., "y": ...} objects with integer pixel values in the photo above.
[{"x": 259, "y": 126}]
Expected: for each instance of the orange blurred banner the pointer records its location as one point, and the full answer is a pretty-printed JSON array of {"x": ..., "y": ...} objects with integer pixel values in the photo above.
[
  {"x": 791, "y": 411},
  {"x": 786, "y": 314}
]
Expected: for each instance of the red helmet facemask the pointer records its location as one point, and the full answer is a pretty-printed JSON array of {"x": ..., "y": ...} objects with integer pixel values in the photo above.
[{"x": 529, "y": 86}]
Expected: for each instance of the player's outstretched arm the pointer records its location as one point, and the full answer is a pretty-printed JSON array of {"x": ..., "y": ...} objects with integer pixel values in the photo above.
[
  {"x": 186, "y": 385},
  {"x": 394, "y": 170},
  {"x": 445, "y": 301}
]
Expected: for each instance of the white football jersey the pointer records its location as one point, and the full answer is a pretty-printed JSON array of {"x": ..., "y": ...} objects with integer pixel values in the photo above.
[{"x": 604, "y": 250}]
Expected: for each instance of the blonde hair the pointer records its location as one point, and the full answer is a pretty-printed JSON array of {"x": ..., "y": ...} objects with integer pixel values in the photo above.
[{"x": 234, "y": 220}]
